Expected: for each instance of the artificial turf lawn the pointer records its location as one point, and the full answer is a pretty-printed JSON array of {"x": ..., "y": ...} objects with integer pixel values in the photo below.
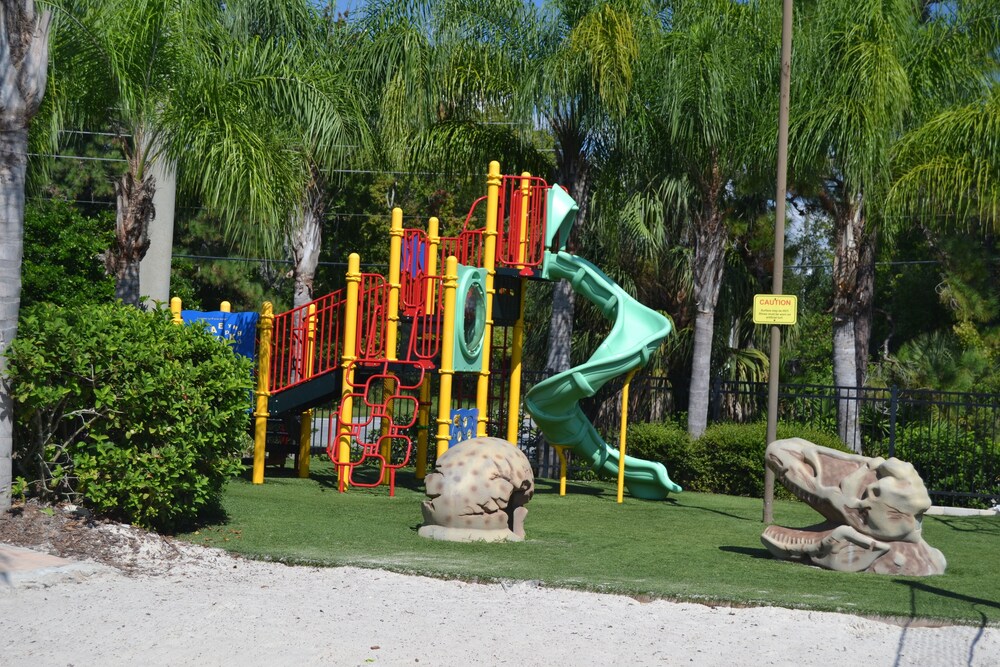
[{"x": 693, "y": 546}]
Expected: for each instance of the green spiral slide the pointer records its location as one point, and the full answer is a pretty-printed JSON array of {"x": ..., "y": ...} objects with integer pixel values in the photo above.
[{"x": 554, "y": 403}]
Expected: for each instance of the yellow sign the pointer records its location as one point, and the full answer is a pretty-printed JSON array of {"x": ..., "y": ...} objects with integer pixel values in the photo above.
[{"x": 775, "y": 308}]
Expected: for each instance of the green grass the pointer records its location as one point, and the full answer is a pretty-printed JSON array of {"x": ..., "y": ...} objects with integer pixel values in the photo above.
[{"x": 693, "y": 546}]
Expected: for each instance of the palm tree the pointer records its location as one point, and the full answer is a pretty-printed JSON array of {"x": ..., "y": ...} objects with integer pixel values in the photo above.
[
  {"x": 230, "y": 92},
  {"x": 699, "y": 131},
  {"x": 580, "y": 79},
  {"x": 463, "y": 80},
  {"x": 949, "y": 167},
  {"x": 865, "y": 73},
  {"x": 306, "y": 101},
  {"x": 24, "y": 53}
]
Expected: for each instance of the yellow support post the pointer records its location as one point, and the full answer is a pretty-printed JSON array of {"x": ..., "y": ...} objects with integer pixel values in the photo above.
[
  {"x": 563, "y": 464},
  {"x": 447, "y": 369},
  {"x": 305, "y": 419},
  {"x": 226, "y": 307},
  {"x": 621, "y": 436},
  {"x": 175, "y": 310},
  {"x": 433, "y": 242},
  {"x": 395, "y": 257},
  {"x": 264, "y": 333},
  {"x": 430, "y": 305},
  {"x": 493, "y": 181},
  {"x": 347, "y": 361},
  {"x": 517, "y": 345},
  {"x": 392, "y": 323}
]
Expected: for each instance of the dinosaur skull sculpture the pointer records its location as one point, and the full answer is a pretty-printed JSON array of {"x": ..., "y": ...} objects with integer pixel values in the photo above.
[
  {"x": 478, "y": 492},
  {"x": 873, "y": 509}
]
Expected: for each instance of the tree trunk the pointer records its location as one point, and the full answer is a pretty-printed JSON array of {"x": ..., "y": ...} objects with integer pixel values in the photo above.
[
  {"x": 306, "y": 241},
  {"x": 864, "y": 300},
  {"x": 848, "y": 241},
  {"x": 573, "y": 174},
  {"x": 132, "y": 218},
  {"x": 707, "y": 262},
  {"x": 701, "y": 372},
  {"x": 13, "y": 163},
  {"x": 154, "y": 269},
  {"x": 24, "y": 53},
  {"x": 560, "y": 328}
]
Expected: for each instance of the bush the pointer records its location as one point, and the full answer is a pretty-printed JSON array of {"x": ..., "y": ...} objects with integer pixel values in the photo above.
[
  {"x": 122, "y": 411},
  {"x": 666, "y": 443},
  {"x": 729, "y": 458},
  {"x": 62, "y": 249}
]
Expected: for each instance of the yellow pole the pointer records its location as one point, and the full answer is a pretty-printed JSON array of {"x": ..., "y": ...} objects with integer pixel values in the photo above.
[
  {"x": 423, "y": 434},
  {"x": 305, "y": 420},
  {"x": 447, "y": 369},
  {"x": 561, "y": 451},
  {"x": 517, "y": 345},
  {"x": 489, "y": 263},
  {"x": 264, "y": 332},
  {"x": 226, "y": 307},
  {"x": 392, "y": 323},
  {"x": 348, "y": 358},
  {"x": 395, "y": 246},
  {"x": 175, "y": 310},
  {"x": 621, "y": 435},
  {"x": 433, "y": 242},
  {"x": 423, "y": 426}
]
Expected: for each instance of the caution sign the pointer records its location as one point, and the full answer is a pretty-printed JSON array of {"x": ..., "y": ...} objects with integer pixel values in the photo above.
[{"x": 775, "y": 308}]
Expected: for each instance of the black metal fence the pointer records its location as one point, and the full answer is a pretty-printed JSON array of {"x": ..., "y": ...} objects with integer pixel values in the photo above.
[{"x": 952, "y": 438}]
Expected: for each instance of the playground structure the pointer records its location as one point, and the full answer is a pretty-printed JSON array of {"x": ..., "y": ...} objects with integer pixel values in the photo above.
[{"x": 452, "y": 307}]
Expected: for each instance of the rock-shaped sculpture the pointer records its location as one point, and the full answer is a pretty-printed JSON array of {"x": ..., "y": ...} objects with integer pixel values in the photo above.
[
  {"x": 873, "y": 509},
  {"x": 478, "y": 492}
]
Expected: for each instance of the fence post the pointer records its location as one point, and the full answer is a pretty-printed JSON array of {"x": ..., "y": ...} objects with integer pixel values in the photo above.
[
  {"x": 715, "y": 399},
  {"x": 893, "y": 406}
]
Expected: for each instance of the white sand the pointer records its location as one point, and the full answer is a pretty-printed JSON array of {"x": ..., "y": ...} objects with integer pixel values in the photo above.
[{"x": 209, "y": 608}]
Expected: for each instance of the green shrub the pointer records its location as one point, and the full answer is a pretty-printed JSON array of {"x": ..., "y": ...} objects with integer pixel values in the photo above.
[
  {"x": 122, "y": 411},
  {"x": 62, "y": 250},
  {"x": 729, "y": 458},
  {"x": 666, "y": 443}
]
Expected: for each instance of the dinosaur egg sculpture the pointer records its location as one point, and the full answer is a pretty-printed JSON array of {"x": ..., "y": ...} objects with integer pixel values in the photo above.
[
  {"x": 873, "y": 508},
  {"x": 478, "y": 492}
]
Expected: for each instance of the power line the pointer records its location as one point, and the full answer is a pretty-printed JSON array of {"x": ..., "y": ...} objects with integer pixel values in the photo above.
[
  {"x": 79, "y": 157},
  {"x": 261, "y": 260}
]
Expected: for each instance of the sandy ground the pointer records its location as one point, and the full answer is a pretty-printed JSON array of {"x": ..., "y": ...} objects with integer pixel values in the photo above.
[{"x": 183, "y": 605}]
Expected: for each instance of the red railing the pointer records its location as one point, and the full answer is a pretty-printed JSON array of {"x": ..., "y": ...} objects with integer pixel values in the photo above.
[
  {"x": 512, "y": 204},
  {"x": 290, "y": 351},
  {"x": 372, "y": 316},
  {"x": 424, "y": 340}
]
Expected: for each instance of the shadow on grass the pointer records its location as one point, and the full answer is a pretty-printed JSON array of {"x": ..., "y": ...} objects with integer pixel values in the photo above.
[
  {"x": 545, "y": 486},
  {"x": 967, "y": 525},
  {"x": 747, "y": 551},
  {"x": 915, "y": 586},
  {"x": 719, "y": 512}
]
